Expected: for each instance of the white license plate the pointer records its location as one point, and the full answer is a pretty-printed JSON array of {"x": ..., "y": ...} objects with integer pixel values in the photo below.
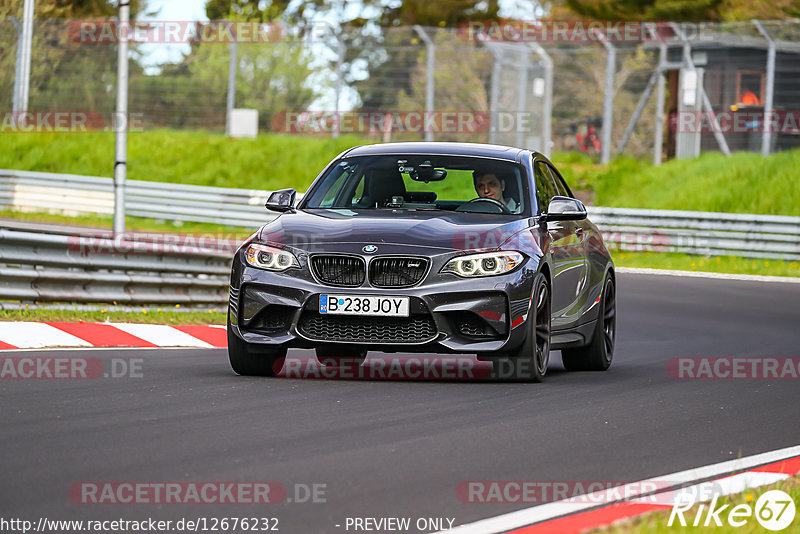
[{"x": 364, "y": 305}]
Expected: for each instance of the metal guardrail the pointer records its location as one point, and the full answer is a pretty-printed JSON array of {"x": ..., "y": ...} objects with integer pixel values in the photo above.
[
  {"x": 73, "y": 194},
  {"x": 95, "y": 267},
  {"x": 695, "y": 232},
  {"x": 47, "y": 265}
]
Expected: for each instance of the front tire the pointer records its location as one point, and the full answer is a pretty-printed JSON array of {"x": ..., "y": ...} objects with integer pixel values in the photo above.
[
  {"x": 246, "y": 362},
  {"x": 530, "y": 361},
  {"x": 597, "y": 355}
]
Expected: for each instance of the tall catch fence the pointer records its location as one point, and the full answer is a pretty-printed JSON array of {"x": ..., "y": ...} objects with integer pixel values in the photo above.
[{"x": 637, "y": 88}]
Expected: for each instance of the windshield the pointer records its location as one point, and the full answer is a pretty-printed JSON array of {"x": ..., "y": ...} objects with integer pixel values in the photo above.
[{"x": 422, "y": 182}]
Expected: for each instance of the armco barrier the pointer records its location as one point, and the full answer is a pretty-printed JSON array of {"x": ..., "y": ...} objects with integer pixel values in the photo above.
[
  {"x": 72, "y": 194},
  {"x": 58, "y": 266},
  {"x": 697, "y": 232}
]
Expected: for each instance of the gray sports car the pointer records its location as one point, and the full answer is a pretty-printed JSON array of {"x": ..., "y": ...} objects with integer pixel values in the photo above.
[{"x": 426, "y": 247}]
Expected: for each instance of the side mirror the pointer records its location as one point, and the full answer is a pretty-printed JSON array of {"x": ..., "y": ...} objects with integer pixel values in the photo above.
[
  {"x": 564, "y": 209},
  {"x": 282, "y": 200}
]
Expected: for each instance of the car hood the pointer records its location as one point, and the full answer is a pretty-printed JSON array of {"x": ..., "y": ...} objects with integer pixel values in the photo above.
[{"x": 329, "y": 229}]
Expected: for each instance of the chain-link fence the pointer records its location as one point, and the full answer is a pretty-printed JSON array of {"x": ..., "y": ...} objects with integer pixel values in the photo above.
[{"x": 660, "y": 90}]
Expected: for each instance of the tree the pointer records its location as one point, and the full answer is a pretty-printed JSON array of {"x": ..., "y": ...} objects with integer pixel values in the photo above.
[
  {"x": 65, "y": 74},
  {"x": 391, "y": 55},
  {"x": 271, "y": 77},
  {"x": 458, "y": 78},
  {"x": 246, "y": 9},
  {"x": 676, "y": 10}
]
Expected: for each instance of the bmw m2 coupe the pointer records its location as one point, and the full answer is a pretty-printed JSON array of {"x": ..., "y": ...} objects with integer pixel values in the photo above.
[{"x": 426, "y": 247}]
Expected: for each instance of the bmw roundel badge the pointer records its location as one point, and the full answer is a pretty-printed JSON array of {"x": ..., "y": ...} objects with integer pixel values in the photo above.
[{"x": 369, "y": 249}]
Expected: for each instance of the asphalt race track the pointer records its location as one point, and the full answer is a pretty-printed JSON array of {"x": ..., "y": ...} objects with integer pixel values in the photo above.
[{"x": 387, "y": 448}]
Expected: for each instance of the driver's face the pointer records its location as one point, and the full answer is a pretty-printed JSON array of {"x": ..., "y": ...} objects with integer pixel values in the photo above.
[{"x": 488, "y": 186}]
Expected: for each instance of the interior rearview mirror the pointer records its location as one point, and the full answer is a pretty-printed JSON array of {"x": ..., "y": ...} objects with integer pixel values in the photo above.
[{"x": 425, "y": 172}]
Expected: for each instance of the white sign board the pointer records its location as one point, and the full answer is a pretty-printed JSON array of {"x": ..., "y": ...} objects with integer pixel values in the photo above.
[{"x": 244, "y": 123}]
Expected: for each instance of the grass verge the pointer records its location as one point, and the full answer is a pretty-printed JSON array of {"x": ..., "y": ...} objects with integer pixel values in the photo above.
[
  {"x": 657, "y": 521},
  {"x": 712, "y": 264},
  {"x": 741, "y": 183},
  {"x": 269, "y": 161}
]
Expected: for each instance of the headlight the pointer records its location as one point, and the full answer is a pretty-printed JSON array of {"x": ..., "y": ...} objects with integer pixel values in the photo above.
[
  {"x": 270, "y": 258},
  {"x": 484, "y": 264}
]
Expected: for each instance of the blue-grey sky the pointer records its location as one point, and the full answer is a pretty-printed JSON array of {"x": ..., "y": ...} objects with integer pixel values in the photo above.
[{"x": 195, "y": 9}]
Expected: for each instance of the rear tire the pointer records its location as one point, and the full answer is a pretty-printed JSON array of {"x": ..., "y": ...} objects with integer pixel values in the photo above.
[
  {"x": 530, "y": 361},
  {"x": 247, "y": 362},
  {"x": 597, "y": 355},
  {"x": 332, "y": 356}
]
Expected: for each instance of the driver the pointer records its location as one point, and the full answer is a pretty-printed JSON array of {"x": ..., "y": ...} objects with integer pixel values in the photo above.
[{"x": 488, "y": 185}]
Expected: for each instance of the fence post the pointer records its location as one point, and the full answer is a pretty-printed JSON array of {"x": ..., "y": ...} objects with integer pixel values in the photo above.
[
  {"x": 608, "y": 98},
  {"x": 22, "y": 80},
  {"x": 770, "y": 89},
  {"x": 340, "y": 52},
  {"x": 429, "y": 72},
  {"x": 18, "y": 67},
  {"x": 522, "y": 96},
  {"x": 687, "y": 58},
  {"x": 547, "y": 111},
  {"x": 658, "y": 144},
  {"x": 494, "y": 95},
  {"x": 231, "y": 84},
  {"x": 121, "y": 120}
]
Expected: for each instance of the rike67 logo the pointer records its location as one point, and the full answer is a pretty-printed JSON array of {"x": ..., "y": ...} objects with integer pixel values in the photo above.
[{"x": 774, "y": 510}]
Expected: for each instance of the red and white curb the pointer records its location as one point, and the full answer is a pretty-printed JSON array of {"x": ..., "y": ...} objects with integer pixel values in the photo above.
[
  {"x": 575, "y": 515},
  {"x": 35, "y": 335}
]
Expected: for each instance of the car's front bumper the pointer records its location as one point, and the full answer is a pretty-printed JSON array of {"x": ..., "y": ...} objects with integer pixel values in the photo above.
[{"x": 448, "y": 313}]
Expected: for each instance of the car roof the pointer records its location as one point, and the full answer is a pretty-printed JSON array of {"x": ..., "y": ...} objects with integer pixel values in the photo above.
[{"x": 438, "y": 148}]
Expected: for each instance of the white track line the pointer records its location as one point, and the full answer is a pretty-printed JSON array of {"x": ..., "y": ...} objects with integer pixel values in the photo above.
[
  {"x": 719, "y": 487},
  {"x": 30, "y": 335},
  {"x": 718, "y": 276},
  {"x": 544, "y": 512}
]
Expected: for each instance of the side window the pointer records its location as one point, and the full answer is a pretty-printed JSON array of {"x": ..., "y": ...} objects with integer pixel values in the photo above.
[
  {"x": 545, "y": 187},
  {"x": 561, "y": 185},
  {"x": 336, "y": 186},
  {"x": 359, "y": 192}
]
